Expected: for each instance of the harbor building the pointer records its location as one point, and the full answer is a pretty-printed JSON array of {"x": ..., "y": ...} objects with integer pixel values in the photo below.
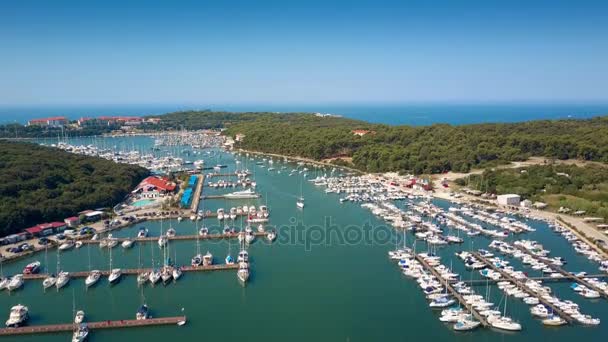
[
  {"x": 57, "y": 121},
  {"x": 508, "y": 200}
]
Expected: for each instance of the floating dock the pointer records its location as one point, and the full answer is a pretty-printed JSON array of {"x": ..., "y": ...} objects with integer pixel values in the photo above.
[
  {"x": 135, "y": 271},
  {"x": 483, "y": 282},
  {"x": 525, "y": 288},
  {"x": 126, "y": 323},
  {"x": 232, "y": 174},
  {"x": 456, "y": 295},
  {"x": 567, "y": 275}
]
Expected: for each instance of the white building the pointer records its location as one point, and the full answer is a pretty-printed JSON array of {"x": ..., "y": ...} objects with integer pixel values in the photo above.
[{"x": 508, "y": 200}]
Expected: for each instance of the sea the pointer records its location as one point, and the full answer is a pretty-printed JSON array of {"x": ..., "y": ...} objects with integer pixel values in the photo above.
[
  {"x": 392, "y": 114},
  {"x": 324, "y": 279}
]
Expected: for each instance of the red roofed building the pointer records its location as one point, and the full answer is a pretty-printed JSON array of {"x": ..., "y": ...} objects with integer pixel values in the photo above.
[
  {"x": 45, "y": 229},
  {"x": 153, "y": 186},
  {"x": 57, "y": 121},
  {"x": 111, "y": 120}
]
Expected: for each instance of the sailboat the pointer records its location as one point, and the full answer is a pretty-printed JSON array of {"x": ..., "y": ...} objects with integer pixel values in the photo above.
[
  {"x": 62, "y": 277},
  {"x": 50, "y": 280},
  {"x": 142, "y": 277},
  {"x": 197, "y": 260},
  {"x": 94, "y": 275},
  {"x": 229, "y": 259},
  {"x": 115, "y": 273},
  {"x": 300, "y": 201},
  {"x": 503, "y": 322},
  {"x": 243, "y": 272},
  {"x": 3, "y": 281},
  {"x": 154, "y": 276}
]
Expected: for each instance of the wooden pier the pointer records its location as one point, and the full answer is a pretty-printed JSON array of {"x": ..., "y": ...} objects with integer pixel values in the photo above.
[
  {"x": 69, "y": 327},
  {"x": 566, "y": 274},
  {"x": 135, "y": 271},
  {"x": 197, "y": 193},
  {"x": 525, "y": 288},
  {"x": 455, "y": 293}
]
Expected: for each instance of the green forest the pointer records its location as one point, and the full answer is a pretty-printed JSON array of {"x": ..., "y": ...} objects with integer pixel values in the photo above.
[
  {"x": 424, "y": 149},
  {"x": 40, "y": 184},
  {"x": 570, "y": 186}
]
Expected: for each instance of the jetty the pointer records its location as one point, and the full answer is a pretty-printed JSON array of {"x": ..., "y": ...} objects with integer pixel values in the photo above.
[
  {"x": 524, "y": 287},
  {"x": 136, "y": 271},
  {"x": 231, "y": 174},
  {"x": 179, "y": 237},
  {"x": 455, "y": 293},
  {"x": 197, "y": 193},
  {"x": 567, "y": 275},
  {"x": 69, "y": 327},
  {"x": 483, "y": 282}
]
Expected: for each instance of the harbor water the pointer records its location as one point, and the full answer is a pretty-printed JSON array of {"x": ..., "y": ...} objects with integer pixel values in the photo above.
[{"x": 331, "y": 285}]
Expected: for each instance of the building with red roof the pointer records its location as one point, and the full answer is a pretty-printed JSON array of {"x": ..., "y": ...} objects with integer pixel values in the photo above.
[
  {"x": 155, "y": 185},
  {"x": 57, "y": 121}
]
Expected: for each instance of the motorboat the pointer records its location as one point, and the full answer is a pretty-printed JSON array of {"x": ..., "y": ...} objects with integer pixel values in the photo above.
[
  {"x": 49, "y": 281},
  {"x": 300, "y": 204},
  {"x": 92, "y": 278},
  {"x": 3, "y": 283},
  {"x": 229, "y": 260},
  {"x": 466, "y": 325},
  {"x": 142, "y": 313},
  {"x": 554, "y": 320},
  {"x": 66, "y": 245},
  {"x": 244, "y": 194},
  {"x": 15, "y": 283},
  {"x": 197, "y": 260},
  {"x": 78, "y": 244},
  {"x": 127, "y": 244},
  {"x": 204, "y": 231},
  {"x": 271, "y": 235},
  {"x": 79, "y": 318},
  {"x": 171, "y": 232},
  {"x": 112, "y": 242},
  {"x": 249, "y": 237},
  {"x": 115, "y": 275},
  {"x": 18, "y": 316},
  {"x": 32, "y": 268},
  {"x": 62, "y": 279},
  {"x": 208, "y": 259},
  {"x": 142, "y": 233}
]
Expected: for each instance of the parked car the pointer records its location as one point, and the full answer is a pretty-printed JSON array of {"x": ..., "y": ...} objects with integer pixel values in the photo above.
[{"x": 43, "y": 241}]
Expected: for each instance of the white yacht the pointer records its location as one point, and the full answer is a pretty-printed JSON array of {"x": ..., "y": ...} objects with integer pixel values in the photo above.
[
  {"x": 166, "y": 274},
  {"x": 92, "y": 278},
  {"x": 504, "y": 323},
  {"x": 300, "y": 204},
  {"x": 271, "y": 235},
  {"x": 554, "y": 320},
  {"x": 15, "y": 283},
  {"x": 3, "y": 283},
  {"x": 142, "y": 313},
  {"x": 243, "y": 272},
  {"x": 208, "y": 259},
  {"x": 67, "y": 245},
  {"x": 142, "y": 233},
  {"x": 142, "y": 278},
  {"x": 49, "y": 281},
  {"x": 62, "y": 279},
  {"x": 244, "y": 194},
  {"x": 18, "y": 315},
  {"x": 171, "y": 232},
  {"x": 466, "y": 325},
  {"x": 112, "y": 242},
  {"x": 115, "y": 275},
  {"x": 127, "y": 244},
  {"x": 79, "y": 318}
]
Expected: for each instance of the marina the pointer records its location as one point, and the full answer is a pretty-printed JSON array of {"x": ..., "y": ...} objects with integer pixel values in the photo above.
[{"x": 440, "y": 227}]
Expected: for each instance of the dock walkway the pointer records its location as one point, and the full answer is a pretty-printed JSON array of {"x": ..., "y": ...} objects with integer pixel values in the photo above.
[
  {"x": 523, "y": 286},
  {"x": 455, "y": 293},
  {"x": 565, "y": 273},
  {"x": 197, "y": 193},
  {"x": 69, "y": 327},
  {"x": 180, "y": 237}
]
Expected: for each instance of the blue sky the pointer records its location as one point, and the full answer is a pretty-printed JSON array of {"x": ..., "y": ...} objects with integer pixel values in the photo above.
[{"x": 290, "y": 51}]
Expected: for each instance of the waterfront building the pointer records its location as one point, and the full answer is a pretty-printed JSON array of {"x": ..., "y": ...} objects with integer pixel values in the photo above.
[
  {"x": 508, "y": 200},
  {"x": 57, "y": 121}
]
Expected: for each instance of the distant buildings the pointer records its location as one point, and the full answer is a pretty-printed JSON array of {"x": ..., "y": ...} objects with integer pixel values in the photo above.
[
  {"x": 57, "y": 122},
  {"x": 112, "y": 120}
]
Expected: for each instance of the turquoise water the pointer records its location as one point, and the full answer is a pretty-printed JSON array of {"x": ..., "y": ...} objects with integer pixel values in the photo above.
[
  {"x": 142, "y": 202},
  {"x": 410, "y": 114},
  {"x": 321, "y": 291}
]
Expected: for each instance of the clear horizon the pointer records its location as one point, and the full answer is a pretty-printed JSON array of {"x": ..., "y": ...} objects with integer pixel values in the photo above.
[{"x": 69, "y": 52}]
